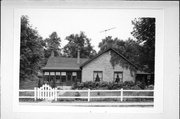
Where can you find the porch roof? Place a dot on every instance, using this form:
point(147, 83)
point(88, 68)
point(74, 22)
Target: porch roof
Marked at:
point(62, 63)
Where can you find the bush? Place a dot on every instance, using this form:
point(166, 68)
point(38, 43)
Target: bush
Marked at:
point(135, 87)
point(39, 83)
point(97, 85)
point(150, 87)
point(103, 85)
point(110, 85)
point(128, 84)
point(142, 85)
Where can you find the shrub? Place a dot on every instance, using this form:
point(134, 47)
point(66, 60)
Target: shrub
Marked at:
point(109, 85)
point(135, 87)
point(39, 83)
point(128, 84)
point(150, 87)
point(142, 85)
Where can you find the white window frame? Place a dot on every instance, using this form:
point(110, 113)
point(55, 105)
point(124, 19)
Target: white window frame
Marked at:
point(99, 72)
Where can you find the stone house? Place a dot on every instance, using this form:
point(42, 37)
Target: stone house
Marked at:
point(66, 71)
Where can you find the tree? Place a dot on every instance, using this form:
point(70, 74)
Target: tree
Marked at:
point(52, 44)
point(81, 42)
point(31, 50)
point(144, 32)
point(106, 43)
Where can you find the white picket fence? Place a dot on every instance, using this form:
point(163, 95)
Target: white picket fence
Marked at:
point(47, 93)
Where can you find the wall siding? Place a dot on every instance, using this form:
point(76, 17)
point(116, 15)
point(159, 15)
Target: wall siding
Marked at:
point(102, 63)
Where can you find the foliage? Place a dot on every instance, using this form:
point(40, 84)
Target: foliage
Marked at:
point(142, 84)
point(52, 44)
point(150, 87)
point(109, 85)
point(53, 84)
point(39, 83)
point(81, 42)
point(144, 32)
point(116, 59)
point(31, 50)
point(51, 47)
point(108, 42)
point(128, 84)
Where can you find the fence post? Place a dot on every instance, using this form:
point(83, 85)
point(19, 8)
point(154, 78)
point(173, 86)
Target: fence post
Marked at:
point(47, 97)
point(121, 94)
point(35, 93)
point(39, 93)
point(42, 92)
point(55, 94)
point(88, 95)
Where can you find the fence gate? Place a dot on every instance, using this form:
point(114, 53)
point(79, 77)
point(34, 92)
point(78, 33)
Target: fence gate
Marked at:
point(45, 92)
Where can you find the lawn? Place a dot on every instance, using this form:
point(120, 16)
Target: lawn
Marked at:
point(28, 84)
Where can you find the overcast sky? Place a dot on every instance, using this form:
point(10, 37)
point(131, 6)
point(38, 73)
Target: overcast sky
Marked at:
point(90, 21)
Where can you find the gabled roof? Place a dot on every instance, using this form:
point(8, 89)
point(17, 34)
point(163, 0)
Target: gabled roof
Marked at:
point(85, 63)
point(62, 63)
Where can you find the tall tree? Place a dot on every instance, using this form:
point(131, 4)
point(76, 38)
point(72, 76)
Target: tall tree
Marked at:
point(106, 43)
point(81, 42)
point(144, 32)
point(31, 50)
point(52, 44)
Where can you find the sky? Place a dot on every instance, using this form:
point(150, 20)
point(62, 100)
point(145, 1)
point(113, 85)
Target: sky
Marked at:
point(91, 21)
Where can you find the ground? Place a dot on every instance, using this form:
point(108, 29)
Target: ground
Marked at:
point(28, 84)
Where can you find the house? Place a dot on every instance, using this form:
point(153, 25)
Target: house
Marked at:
point(66, 71)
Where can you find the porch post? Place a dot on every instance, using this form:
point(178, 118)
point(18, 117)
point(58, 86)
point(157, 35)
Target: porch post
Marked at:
point(55, 79)
point(49, 79)
point(43, 78)
point(66, 77)
point(71, 77)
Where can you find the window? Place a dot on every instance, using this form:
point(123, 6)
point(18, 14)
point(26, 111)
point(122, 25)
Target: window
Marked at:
point(52, 73)
point(118, 77)
point(97, 76)
point(46, 77)
point(74, 76)
point(46, 73)
point(63, 76)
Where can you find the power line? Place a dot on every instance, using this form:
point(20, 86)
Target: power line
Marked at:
point(107, 30)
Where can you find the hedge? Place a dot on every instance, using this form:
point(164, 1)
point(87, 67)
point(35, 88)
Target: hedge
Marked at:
point(109, 85)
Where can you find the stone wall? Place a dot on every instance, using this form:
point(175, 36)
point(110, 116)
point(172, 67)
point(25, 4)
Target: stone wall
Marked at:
point(102, 63)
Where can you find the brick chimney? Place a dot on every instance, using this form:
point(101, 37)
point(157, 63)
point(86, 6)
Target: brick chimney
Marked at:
point(78, 56)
